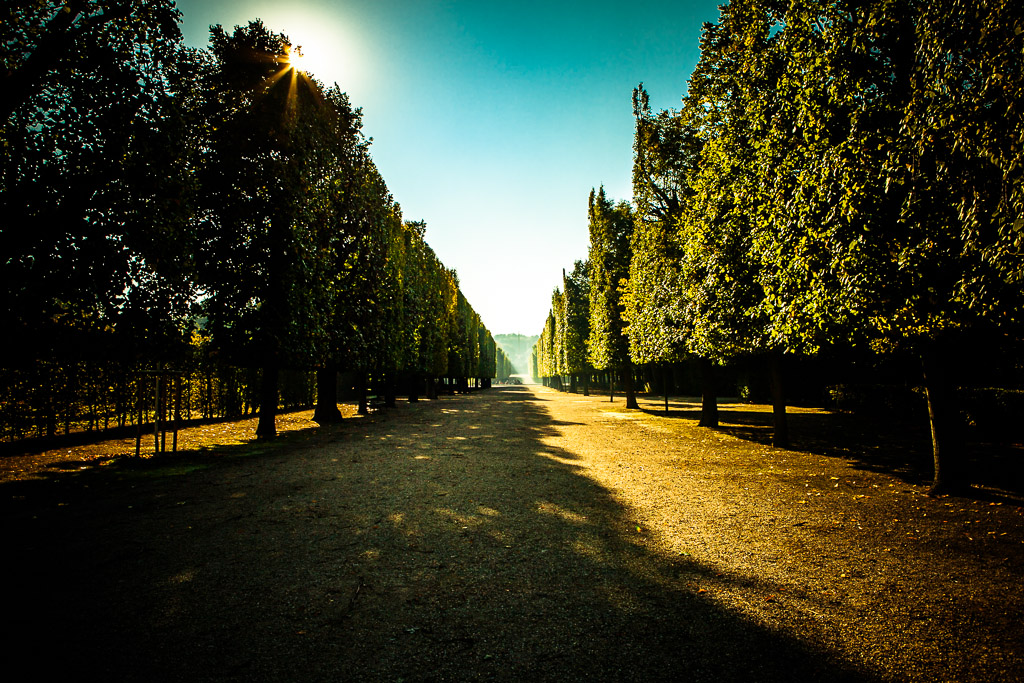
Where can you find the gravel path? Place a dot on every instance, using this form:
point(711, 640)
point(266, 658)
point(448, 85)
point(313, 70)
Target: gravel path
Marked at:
point(513, 534)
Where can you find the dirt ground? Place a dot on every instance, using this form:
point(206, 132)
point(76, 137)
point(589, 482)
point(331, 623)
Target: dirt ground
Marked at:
point(519, 534)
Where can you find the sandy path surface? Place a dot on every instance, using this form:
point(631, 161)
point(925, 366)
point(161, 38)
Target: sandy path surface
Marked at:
point(512, 534)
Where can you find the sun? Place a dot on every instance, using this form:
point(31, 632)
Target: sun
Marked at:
point(298, 59)
point(323, 47)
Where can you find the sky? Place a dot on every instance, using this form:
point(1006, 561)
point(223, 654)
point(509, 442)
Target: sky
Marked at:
point(492, 121)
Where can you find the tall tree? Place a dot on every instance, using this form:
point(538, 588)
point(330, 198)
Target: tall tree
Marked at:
point(558, 335)
point(576, 302)
point(666, 159)
point(259, 240)
point(663, 160)
point(957, 160)
point(342, 233)
point(721, 272)
point(611, 226)
point(885, 181)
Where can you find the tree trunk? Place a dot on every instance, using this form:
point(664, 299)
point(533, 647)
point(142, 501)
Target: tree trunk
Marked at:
point(586, 384)
point(628, 382)
point(138, 423)
point(51, 405)
point(780, 433)
point(361, 389)
point(176, 418)
point(949, 475)
point(326, 396)
point(611, 387)
point(389, 389)
point(208, 405)
point(266, 429)
point(156, 418)
point(414, 387)
point(665, 383)
point(709, 395)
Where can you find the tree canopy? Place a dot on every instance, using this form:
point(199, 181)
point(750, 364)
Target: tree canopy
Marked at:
point(207, 208)
point(839, 175)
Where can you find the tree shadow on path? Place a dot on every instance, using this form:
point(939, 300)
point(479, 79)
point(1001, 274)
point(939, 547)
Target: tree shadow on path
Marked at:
point(452, 541)
point(872, 443)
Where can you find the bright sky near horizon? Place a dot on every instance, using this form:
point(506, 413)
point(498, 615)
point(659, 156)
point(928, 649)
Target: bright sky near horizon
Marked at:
point(492, 121)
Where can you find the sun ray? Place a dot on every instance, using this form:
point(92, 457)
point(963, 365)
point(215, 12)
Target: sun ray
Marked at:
point(288, 65)
point(293, 93)
point(297, 58)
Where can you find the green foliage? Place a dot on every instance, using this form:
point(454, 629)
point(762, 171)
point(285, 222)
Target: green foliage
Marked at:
point(90, 181)
point(503, 367)
point(840, 78)
point(576, 317)
point(958, 156)
point(547, 363)
point(719, 270)
point(611, 226)
point(256, 229)
point(666, 154)
point(426, 290)
point(148, 190)
point(841, 174)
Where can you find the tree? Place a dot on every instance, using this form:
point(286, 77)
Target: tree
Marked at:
point(956, 162)
point(885, 184)
point(503, 364)
point(722, 273)
point(424, 309)
point(256, 223)
point(341, 234)
point(666, 159)
point(91, 179)
point(487, 364)
point(607, 345)
point(663, 160)
point(547, 362)
point(41, 39)
point(558, 335)
point(576, 303)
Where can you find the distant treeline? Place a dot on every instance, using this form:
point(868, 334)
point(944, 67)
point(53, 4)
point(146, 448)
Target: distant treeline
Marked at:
point(209, 218)
point(840, 196)
point(518, 348)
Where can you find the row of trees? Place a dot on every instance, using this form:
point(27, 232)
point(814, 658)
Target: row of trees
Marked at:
point(149, 191)
point(840, 176)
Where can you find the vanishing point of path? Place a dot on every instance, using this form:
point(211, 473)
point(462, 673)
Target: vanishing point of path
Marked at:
point(512, 534)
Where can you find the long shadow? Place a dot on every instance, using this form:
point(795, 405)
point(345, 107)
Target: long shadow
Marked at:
point(873, 443)
point(488, 554)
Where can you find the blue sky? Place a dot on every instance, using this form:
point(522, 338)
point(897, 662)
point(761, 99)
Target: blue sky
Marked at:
point(492, 121)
